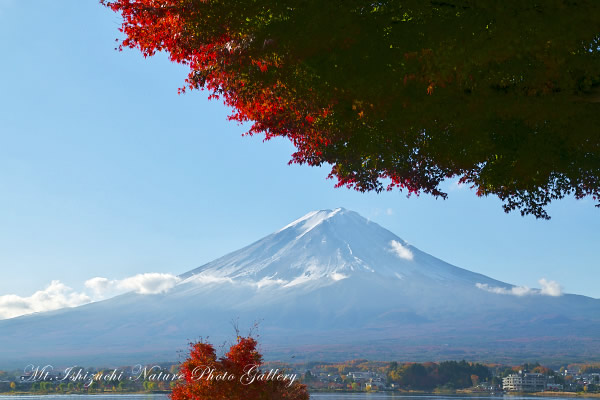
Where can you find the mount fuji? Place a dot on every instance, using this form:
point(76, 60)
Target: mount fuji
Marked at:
point(329, 286)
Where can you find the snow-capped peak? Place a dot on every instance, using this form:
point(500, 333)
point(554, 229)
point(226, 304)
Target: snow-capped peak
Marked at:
point(309, 221)
point(328, 247)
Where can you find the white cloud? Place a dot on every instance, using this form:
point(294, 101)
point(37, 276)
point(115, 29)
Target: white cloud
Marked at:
point(549, 288)
point(99, 285)
point(400, 250)
point(148, 283)
point(521, 291)
point(336, 276)
point(56, 295)
point(515, 290)
point(389, 211)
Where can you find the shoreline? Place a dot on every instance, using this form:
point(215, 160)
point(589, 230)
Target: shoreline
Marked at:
point(83, 393)
point(566, 394)
point(402, 393)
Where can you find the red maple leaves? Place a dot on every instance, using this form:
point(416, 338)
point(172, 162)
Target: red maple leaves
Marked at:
point(222, 60)
point(235, 376)
point(379, 92)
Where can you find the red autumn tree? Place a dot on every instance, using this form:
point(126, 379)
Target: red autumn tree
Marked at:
point(402, 94)
point(235, 376)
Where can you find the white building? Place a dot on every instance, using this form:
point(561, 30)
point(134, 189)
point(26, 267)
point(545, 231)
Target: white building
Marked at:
point(524, 383)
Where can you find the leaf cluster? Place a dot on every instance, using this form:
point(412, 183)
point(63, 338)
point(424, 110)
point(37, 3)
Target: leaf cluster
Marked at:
point(504, 96)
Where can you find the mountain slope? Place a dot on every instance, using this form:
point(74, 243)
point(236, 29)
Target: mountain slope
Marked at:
point(325, 246)
point(330, 285)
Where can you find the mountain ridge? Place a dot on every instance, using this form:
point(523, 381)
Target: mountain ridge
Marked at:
point(329, 285)
point(299, 228)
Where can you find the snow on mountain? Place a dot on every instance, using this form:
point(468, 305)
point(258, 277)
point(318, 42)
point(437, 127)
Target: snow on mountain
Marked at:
point(324, 247)
point(330, 285)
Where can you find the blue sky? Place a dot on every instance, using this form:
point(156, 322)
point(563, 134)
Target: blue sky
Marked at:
point(105, 171)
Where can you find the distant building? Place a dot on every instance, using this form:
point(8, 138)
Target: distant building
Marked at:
point(526, 382)
point(360, 376)
point(554, 386)
point(593, 378)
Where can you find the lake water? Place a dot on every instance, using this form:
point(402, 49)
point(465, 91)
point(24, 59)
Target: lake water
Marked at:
point(313, 396)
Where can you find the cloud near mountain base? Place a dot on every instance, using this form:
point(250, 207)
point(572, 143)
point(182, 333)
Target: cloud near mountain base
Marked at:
point(58, 295)
point(400, 250)
point(149, 283)
point(548, 288)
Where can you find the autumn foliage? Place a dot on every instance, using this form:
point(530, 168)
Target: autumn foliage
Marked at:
point(235, 376)
point(402, 94)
